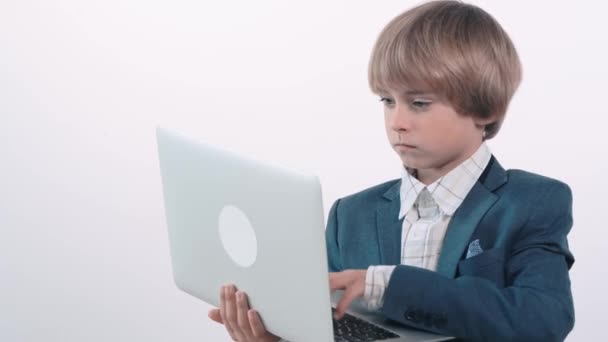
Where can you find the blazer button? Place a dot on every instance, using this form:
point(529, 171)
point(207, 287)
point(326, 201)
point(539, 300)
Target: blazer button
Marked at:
point(410, 315)
point(414, 315)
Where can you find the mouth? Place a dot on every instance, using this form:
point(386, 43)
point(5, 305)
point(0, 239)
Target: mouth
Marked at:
point(404, 145)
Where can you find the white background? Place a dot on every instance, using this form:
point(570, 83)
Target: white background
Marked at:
point(83, 244)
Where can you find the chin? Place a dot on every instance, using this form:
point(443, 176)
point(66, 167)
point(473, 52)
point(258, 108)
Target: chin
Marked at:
point(414, 163)
point(407, 162)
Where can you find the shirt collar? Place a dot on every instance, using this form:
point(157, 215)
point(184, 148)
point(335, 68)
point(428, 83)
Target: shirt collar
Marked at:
point(448, 191)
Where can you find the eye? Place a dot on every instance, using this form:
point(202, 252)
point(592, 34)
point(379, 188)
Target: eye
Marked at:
point(387, 101)
point(420, 104)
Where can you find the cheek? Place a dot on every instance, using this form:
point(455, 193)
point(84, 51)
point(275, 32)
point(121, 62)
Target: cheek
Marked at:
point(387, 126)
point(440, 131)
point(454, 130)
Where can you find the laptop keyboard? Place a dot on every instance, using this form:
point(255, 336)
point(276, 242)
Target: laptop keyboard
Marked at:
point(353, 329)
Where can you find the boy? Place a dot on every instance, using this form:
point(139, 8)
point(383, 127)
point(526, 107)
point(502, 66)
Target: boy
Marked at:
point(458, 245)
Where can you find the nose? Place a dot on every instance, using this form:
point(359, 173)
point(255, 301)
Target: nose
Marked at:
point(399, 118)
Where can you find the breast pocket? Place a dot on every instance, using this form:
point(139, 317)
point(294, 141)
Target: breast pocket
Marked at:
point(488, 265)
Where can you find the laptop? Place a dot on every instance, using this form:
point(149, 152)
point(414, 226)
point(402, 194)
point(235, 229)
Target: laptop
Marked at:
point(233, 219)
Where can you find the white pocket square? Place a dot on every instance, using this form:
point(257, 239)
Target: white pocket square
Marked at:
point(474, 249)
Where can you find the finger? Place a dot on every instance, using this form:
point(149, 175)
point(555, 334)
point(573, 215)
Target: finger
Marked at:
point(349, 295)
point(215, 316)
point(229, 312)
point(257, 327)
point(223, 311)
point(223, 306)
point(242, 306)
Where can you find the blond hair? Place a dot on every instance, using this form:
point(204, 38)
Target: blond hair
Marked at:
point(458, 50)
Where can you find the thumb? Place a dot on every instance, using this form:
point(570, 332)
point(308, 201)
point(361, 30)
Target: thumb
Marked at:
point(215, 315)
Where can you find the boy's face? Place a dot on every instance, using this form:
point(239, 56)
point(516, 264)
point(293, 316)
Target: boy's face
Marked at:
point(427, 133)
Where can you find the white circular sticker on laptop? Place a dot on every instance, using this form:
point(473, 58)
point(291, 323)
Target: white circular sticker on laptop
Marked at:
point(237, 236)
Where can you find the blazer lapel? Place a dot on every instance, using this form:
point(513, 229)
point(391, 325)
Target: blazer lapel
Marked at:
point(389, 227)
point(466, 219)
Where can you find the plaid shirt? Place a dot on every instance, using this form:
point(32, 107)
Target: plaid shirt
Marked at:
point(426, 212)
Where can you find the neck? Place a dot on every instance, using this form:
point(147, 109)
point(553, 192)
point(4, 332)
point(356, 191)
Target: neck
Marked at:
point(428, 178)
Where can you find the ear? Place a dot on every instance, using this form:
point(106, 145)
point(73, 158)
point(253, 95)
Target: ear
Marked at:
point(482, 122)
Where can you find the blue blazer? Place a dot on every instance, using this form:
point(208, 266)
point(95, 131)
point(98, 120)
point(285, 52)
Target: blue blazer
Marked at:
point(517, 289)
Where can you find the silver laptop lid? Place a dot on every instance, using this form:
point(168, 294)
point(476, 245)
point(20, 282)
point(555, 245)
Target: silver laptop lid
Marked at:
point(270, 220)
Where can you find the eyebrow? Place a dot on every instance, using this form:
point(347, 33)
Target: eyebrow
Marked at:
point(410, 92)
point(418, 92)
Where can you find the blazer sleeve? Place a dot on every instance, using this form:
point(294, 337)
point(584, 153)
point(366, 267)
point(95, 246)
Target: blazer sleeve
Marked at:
point(536, 304)
point(331, 239)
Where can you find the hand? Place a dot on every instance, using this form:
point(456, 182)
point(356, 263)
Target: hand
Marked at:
point(353, 284)
point(242, 323)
